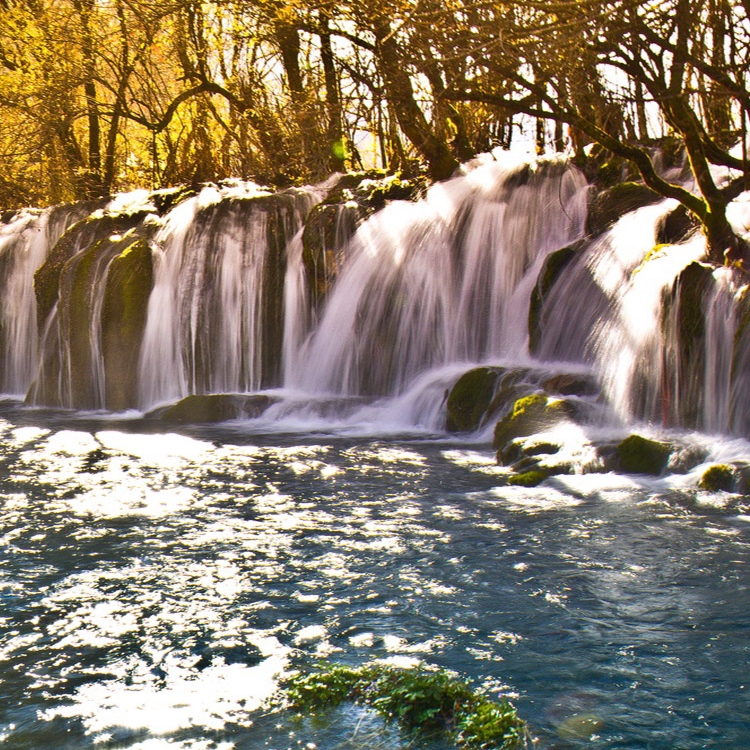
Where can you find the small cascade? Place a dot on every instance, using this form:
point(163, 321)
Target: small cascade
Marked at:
point(443, 280)
point(25, 241)
point(216, 313)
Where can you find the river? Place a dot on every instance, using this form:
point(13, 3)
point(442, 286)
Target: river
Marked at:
point(156, 584)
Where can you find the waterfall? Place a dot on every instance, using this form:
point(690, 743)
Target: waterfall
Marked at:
point(443, 280)
point(215, 319)
point(338, 308)
point(25, 241)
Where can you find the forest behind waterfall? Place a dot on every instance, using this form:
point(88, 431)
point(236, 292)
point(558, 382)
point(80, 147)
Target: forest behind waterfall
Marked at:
point(98, 96)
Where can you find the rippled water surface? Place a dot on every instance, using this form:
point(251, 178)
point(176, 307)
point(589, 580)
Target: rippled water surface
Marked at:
point(155, 585)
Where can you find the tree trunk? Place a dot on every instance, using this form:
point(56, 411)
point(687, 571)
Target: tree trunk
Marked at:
point(411, 119)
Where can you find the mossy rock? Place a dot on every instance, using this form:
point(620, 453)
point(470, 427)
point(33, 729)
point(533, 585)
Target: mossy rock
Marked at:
point(612, 204)
point(529, 415)
point(215, 407)
point(165, 200)
point(530, 478)
point(554, 264)
point(123, 320)
point(470, 398)
point(570, 384)
point(639, 455)
point(684, 322)
point(78, 238)
point(718, 477)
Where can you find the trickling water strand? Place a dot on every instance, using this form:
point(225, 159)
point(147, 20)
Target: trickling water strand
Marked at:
point(721, 326)
point(628, 342)
point(434, 282)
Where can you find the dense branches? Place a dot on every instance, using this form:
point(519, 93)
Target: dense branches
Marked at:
point(98, 95)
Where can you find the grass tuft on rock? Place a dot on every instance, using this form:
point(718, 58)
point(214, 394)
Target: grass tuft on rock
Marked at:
point(419, 699)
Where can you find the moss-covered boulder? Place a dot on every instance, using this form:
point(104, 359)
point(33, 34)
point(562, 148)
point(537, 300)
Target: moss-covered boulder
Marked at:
point(718, 477)
point(639, 455)
point(78, 238)
point(470, 398)
point(554, 265)
point(529, 415)
point(530, 478)
point(215, 407)
point(570, 384)
point(612, 204)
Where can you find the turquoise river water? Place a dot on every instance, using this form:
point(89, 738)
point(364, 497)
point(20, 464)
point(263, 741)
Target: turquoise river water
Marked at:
point(155, 585)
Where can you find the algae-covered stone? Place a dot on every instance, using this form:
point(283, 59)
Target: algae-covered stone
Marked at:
point(530, 414)
point(684, 324)
point(580, 727)
point(123, 320)
point(639, 455)
point(215, 407)
point(470, 398)
point(718, 477)
point(529, 478)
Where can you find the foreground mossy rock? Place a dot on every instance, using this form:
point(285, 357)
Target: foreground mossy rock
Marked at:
point(554, 264)
point(215, 407)
point(470, 398)
point(529, 415)
point(419, 699)
point(612, 204)
point(639, 455)
point(718, 477)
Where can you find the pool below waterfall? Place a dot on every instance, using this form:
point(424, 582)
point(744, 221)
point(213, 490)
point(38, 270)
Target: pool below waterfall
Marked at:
point(155, 586)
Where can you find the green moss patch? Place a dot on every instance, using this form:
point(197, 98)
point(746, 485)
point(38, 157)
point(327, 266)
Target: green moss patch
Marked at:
point(639, 455)
point(419, 699)
point(470, 398)
point(718, 477)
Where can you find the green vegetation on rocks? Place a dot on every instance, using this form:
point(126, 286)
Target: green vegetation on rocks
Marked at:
point(123, 320)
point(528, 478)
point(419, 699)
point(530, 414)
point(639, 455)
point(718, 477)
point(610, 205)
point(470, 398)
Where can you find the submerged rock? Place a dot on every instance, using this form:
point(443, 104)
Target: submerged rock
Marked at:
point(215, 407)
point(639, 455)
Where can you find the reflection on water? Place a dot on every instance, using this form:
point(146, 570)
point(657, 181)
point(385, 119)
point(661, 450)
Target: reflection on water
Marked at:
point(155, 586)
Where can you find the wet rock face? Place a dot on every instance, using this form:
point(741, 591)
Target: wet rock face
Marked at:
point(215, 407)
point(469, 401)
point(123, 320)
point(610, 205)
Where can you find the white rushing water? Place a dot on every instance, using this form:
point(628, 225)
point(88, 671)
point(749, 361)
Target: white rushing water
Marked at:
point(422, 290)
